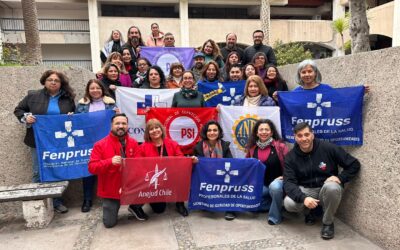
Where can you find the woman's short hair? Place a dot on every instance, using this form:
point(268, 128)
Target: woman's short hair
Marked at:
point(204, 72)
point(104, 91)
point(116, 55)
point(152, 123)
point(260, 83)
point(160, 72)
point(144, 59)
point(107, 67)
point(175, 65)
point(256, 55)
point(63, 80)
point(302, 65)
point(204, 129)
point(253, 136)
point(245, 67)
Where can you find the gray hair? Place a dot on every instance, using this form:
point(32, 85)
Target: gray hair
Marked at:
point(304, 64)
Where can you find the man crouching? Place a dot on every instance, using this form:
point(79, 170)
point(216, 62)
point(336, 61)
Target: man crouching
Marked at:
point(311, 177)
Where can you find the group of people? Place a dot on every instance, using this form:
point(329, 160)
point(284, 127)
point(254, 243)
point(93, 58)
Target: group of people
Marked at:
point(306, 178)
point(124, 66)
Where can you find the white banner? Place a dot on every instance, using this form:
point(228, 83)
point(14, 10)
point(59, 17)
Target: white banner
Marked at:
point(133, 102)
point(238, 121)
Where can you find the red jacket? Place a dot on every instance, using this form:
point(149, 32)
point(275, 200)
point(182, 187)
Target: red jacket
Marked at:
point(100, 164)
point(281, 151)
point(148, 149)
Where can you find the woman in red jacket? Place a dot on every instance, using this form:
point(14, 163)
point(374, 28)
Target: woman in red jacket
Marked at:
point(157, 145)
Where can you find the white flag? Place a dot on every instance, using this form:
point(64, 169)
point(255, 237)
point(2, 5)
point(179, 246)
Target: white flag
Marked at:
point(133, 102)
point(238, 121)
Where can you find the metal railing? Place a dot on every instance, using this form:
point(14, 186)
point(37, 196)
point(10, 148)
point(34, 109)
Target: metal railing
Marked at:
point(51, 25)
point(86, 64)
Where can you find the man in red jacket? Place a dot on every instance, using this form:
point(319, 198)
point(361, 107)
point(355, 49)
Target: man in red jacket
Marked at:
point(105, 162)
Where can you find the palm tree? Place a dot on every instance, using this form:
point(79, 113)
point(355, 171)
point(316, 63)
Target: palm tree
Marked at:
point(339, 26)
point(265, 17)
point(359, 27)
point(33, 48)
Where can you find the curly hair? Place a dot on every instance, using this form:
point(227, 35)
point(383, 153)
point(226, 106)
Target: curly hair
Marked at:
point(63, 80)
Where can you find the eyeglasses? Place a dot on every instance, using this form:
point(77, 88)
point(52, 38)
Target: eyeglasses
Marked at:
point(53, 80)
point(169, 38)
point(142, 64)
point(188, 78)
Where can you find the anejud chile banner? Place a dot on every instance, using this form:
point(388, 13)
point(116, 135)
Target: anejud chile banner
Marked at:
point(183, 125)
point(222, 184)
point(155, 179)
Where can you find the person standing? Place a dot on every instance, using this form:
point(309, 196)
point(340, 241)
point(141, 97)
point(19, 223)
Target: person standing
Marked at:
point(231, 46)
point(56, 97)
point(311, 177)
point(105, 162)
point(156, 38)
point(134, 42)
point(258, 46)
point(169, 40)
point(197, 69)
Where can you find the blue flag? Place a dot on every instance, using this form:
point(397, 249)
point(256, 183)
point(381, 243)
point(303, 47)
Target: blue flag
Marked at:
point(64, 143)
point(334, 114)
point(224, 93)
point(222, 184)
point(165, 56)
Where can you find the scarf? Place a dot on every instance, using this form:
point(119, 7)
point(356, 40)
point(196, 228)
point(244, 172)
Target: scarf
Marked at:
point(189, 93)
point(215, 153)
point(265, 144)
point(252, 101)
point(140, 77)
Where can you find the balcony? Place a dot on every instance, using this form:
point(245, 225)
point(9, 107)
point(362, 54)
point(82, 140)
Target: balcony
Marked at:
point(47, 25)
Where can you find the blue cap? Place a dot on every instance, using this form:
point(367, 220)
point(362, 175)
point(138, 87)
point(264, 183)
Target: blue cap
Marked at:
point(199, 54)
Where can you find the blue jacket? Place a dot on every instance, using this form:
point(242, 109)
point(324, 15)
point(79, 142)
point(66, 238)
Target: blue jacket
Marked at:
point(264, 101)
point(83, 105)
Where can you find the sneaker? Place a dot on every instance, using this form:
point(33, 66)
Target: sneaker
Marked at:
point(230, 215)
point(61, 209)
point(138, 212)
point(327, 231)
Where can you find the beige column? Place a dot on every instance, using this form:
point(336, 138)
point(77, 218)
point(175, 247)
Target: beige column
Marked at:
point(338, 11)
point(396, 24)
point(94, 35)
point(184, 20)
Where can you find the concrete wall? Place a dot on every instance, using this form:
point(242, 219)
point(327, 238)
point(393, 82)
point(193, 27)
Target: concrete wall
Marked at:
point(371, 202)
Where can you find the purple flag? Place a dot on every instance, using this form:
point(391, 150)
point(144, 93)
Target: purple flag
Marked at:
point(165, 56)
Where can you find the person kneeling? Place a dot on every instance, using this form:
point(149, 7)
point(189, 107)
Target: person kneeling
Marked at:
point(311, 177)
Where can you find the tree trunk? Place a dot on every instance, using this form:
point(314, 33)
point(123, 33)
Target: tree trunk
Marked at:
point(359, 27)
point(265, 16)
point(33, 55)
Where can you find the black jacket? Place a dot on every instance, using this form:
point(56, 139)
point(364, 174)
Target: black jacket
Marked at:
point(250, 51)
point(37, 102)
point(310, 170)
point(226, 152)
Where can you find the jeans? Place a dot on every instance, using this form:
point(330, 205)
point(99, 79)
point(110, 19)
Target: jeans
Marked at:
point(272, 199)
point(88, 186)
point(330, 195)
point(110, 212)
point(36, 176)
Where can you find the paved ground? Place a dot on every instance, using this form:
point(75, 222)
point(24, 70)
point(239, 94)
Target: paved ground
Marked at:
point(201, 230)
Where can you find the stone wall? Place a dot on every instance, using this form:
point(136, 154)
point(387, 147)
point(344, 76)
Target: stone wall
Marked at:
point(371, 202)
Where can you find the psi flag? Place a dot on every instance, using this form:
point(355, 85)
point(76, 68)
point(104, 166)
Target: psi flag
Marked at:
point(334, 114)
point(237, 123)
point(64, 143)
point(155, 179)
point(224, 93)
point(222, 184)
point(183, 125)
point(165, 56)
point(135, 103)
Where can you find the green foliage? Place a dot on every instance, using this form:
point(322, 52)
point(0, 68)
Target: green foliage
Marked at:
point(290, 53)
point(11, 55)
point(341, 24)
point(347, 47)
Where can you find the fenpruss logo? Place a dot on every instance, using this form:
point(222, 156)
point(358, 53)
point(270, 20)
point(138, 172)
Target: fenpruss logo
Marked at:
point(69, 134)
point(318, 105)
point(227, 172)
point(241, 130)
point(155, 175)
